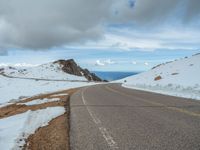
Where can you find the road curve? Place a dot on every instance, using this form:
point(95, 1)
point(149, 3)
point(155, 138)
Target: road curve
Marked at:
point(110, 117)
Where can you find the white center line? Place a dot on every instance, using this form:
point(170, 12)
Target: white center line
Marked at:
point(108, 138)
point(94, 118)
point(106, 135)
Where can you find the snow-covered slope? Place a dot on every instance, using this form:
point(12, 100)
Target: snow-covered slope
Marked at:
point(18, 82)
point(14, 130)
point(13, 88)
point(52, 71)
point(177, 78)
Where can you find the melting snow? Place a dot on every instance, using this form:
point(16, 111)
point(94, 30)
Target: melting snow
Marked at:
point(15, 129)
point(60, 94)
point(40, 101)
point(12, 88)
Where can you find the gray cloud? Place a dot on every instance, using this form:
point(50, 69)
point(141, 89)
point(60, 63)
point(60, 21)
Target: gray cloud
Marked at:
point(163, 11)
point(193, 10)
point(48, 23)
point(43, 24)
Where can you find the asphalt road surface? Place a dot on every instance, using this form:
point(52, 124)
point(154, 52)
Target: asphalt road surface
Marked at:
point(110, 117)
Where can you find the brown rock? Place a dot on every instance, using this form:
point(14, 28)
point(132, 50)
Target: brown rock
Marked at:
point(71, 67)
point(157, 78)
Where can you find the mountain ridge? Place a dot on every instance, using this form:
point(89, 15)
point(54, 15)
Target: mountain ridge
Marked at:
point(57, 70)
point(71, 67)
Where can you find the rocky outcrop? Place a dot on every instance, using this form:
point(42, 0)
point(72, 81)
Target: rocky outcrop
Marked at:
point(157, 78)
point(71, 67)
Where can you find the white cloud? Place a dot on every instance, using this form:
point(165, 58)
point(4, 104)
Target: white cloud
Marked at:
point(99, 63)
point(146, 63)
point(125, 39)
point(134, 62)
point(129, 39)
point(104, 62)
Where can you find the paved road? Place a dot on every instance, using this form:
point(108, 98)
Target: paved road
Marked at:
point(112, 117)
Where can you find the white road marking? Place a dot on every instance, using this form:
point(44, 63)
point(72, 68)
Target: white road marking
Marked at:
point(106, 135)
point(108, 138)
point(94, 118)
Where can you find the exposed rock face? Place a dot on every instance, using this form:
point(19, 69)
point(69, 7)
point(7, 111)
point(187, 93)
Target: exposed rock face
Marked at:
point(157, 78)
point(71, 67)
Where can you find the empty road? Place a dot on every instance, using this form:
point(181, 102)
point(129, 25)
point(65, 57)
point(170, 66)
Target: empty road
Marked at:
point(110, 117)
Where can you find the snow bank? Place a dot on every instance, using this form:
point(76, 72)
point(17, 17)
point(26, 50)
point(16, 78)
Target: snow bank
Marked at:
point(4, 105)
point(178, 78)
point(15, 129)
point(40, 101)
point(12, 88)
point(61, 94)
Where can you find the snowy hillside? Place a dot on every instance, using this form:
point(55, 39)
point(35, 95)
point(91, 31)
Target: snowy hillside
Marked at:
point(14, 130)
point(177, 78)
point(50, 71)
point(32, 98)
point(13, 89)
point(18, 82)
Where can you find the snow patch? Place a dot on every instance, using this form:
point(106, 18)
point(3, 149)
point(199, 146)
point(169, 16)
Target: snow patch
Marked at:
point(15, 129)
point(39, 101)
point(6, 104)
point(60, 94)
point(12, 89)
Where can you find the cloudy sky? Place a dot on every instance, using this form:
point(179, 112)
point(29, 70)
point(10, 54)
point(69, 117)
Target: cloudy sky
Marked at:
point(122, 35)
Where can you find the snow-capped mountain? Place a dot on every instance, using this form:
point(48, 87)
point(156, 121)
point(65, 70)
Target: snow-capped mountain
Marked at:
point(45, 71)
point(60, 75)
point(59, 70)
point(179, 78)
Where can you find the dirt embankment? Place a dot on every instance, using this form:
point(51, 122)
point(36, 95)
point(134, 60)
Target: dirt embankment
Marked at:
point(55, 136)
point(52, 137)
